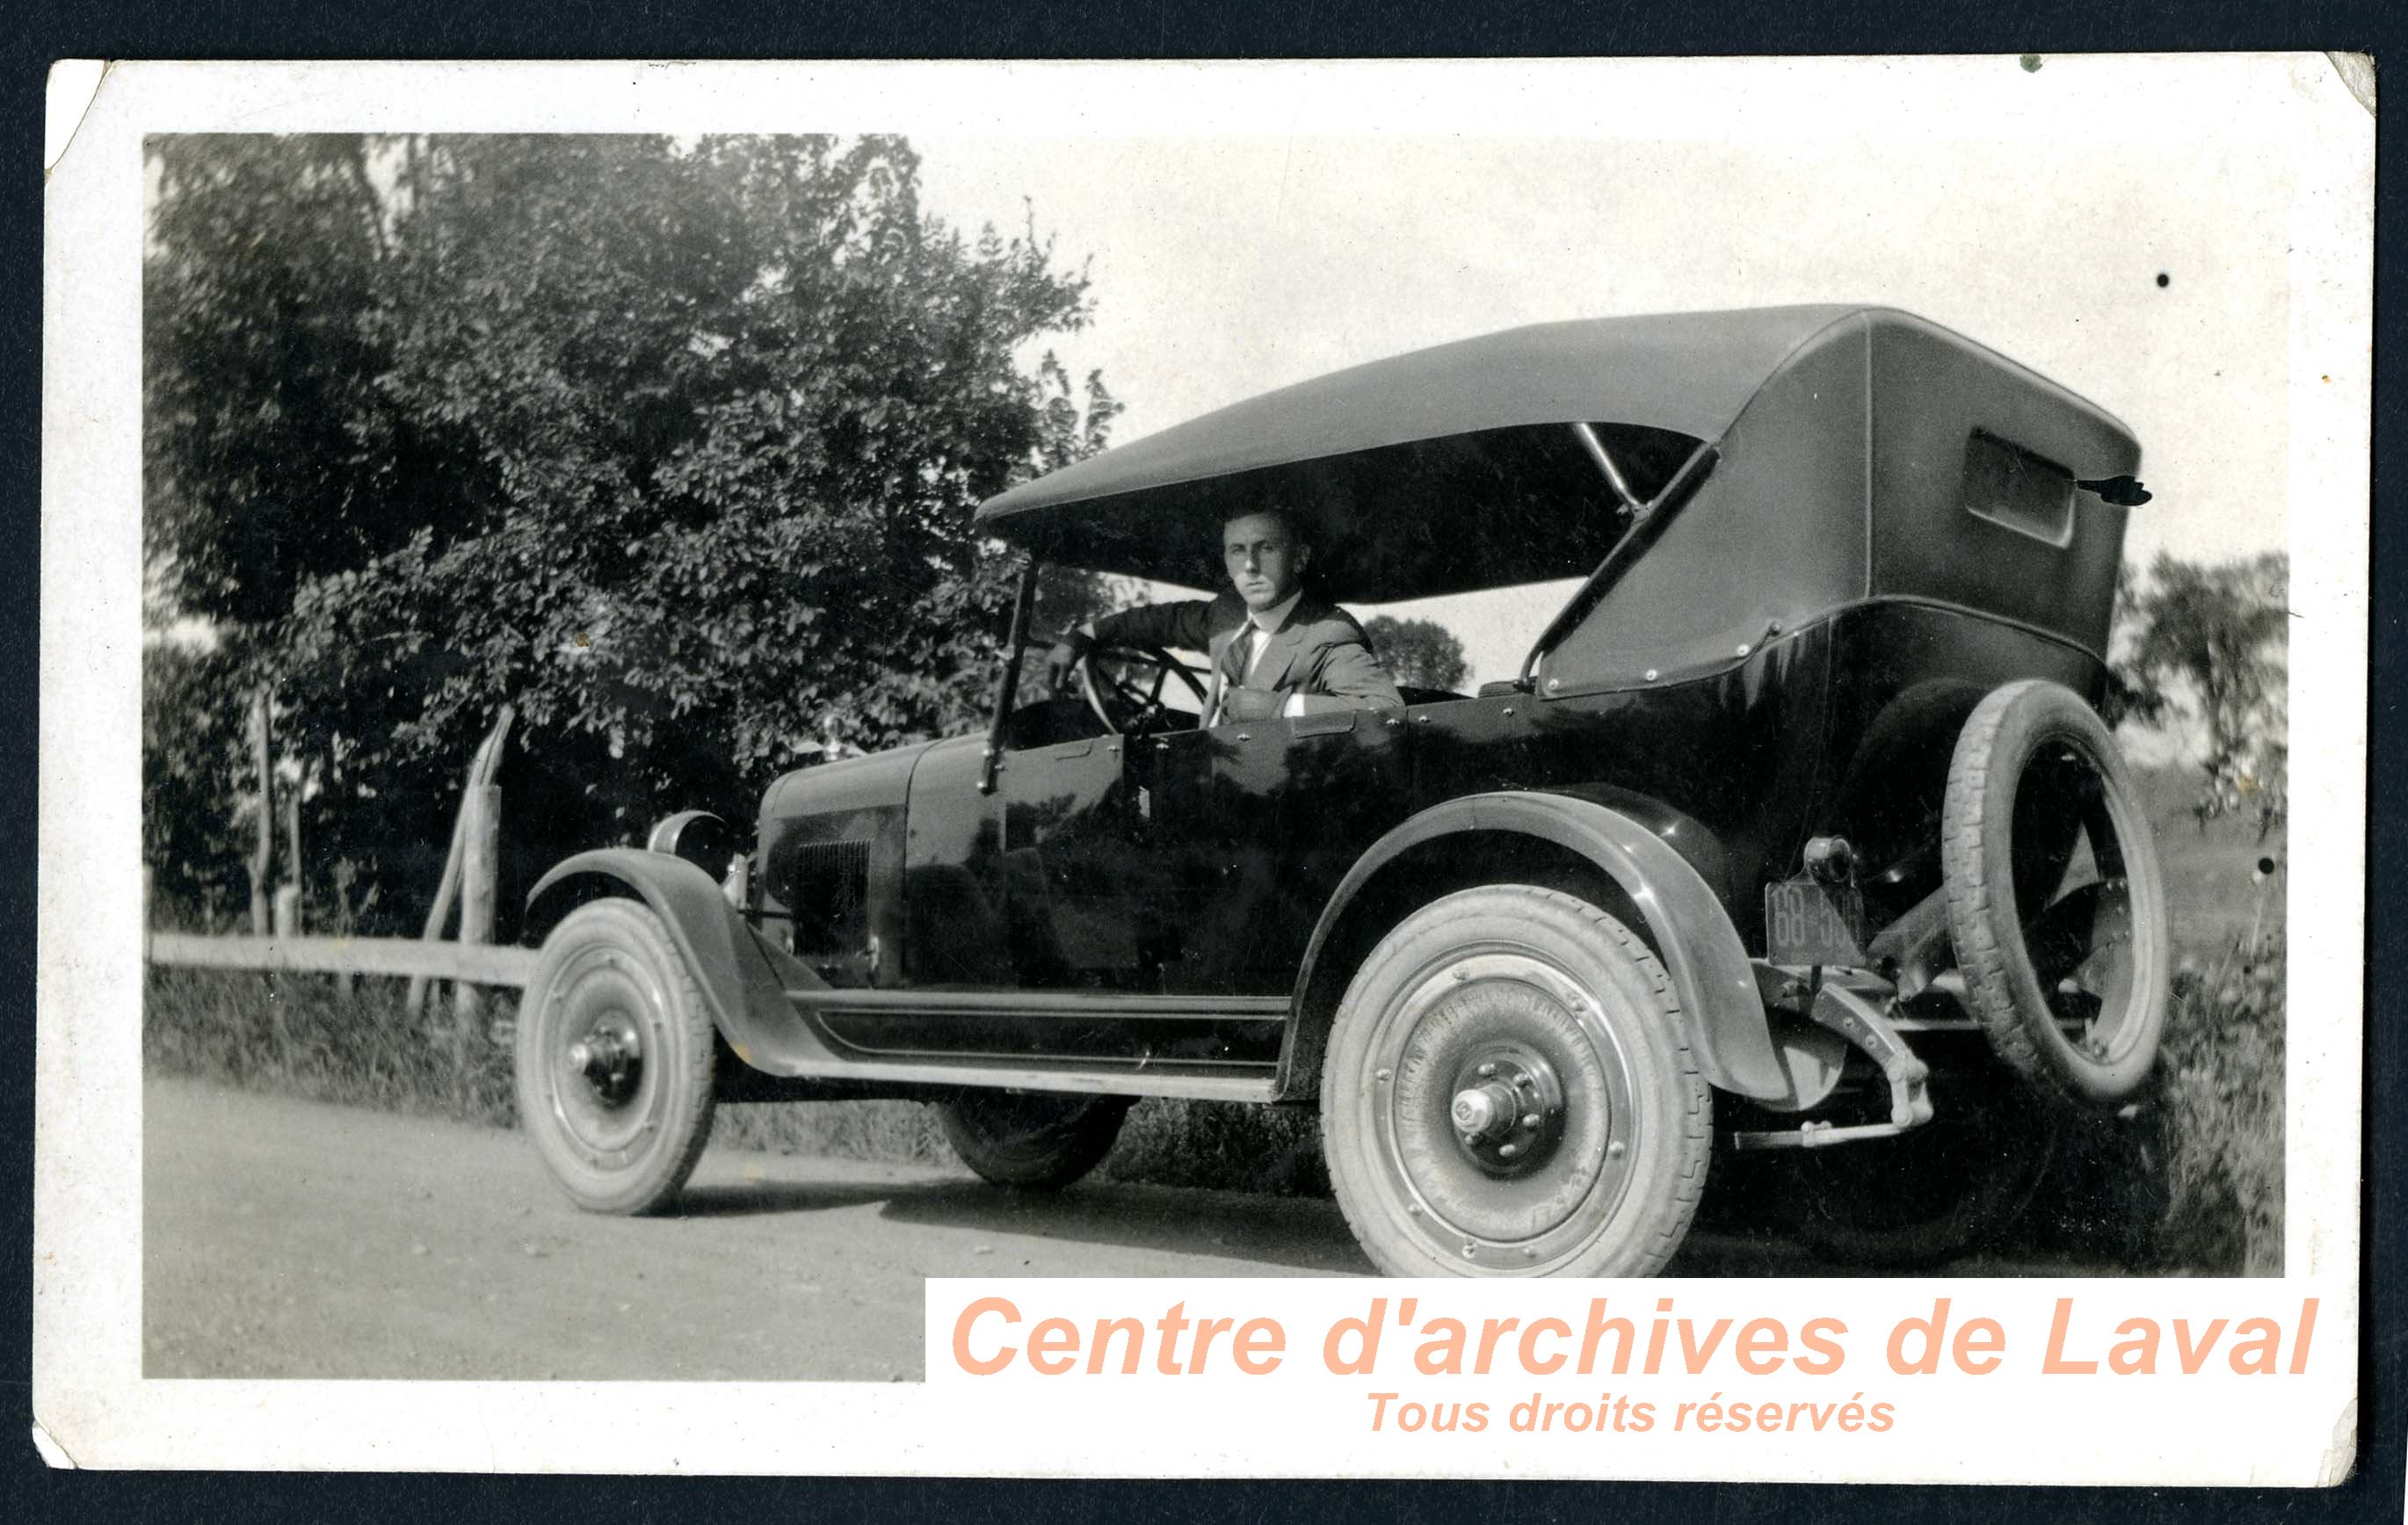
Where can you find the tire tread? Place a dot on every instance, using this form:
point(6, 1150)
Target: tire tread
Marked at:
point(1964, 867)
point(1969, 875)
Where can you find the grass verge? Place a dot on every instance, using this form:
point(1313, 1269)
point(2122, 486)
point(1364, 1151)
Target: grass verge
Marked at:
point(302, 1035)
point(2219, 1118)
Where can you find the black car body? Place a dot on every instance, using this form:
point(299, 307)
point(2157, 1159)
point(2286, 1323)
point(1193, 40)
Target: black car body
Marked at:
point(1818, 549)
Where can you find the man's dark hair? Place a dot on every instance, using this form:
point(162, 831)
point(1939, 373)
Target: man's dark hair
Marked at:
point(1300, 529)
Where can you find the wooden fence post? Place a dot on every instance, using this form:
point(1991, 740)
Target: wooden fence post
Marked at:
point(292, 858)
point(481, 771)
point(447, 890)
point(262, 857)
point(480, 874)
point(287, 910)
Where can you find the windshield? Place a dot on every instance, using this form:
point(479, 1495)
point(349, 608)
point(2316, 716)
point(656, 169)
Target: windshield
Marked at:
point(1452, 643)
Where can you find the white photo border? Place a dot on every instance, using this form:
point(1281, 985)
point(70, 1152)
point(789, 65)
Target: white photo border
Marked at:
point(91, 1399)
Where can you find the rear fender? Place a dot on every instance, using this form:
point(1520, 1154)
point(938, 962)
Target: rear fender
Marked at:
point(1683, 920)
point(742, 979)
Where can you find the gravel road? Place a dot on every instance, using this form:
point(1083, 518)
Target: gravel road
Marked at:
point(284, 1238)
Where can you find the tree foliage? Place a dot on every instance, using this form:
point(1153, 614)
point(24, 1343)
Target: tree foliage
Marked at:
point(260, 401)
point(673, 444)
point(1421, 653)
point(197, 820)
point(2209, 645)
point(2131, 695)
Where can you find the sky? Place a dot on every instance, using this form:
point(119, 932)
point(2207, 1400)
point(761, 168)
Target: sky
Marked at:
point(1222, 267)
point(2149, 276)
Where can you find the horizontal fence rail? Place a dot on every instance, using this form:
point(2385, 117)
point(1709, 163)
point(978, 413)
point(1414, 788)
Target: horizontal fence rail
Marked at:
point(468, 963)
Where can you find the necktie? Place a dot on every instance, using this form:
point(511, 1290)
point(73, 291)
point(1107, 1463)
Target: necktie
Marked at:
point(1234, 663)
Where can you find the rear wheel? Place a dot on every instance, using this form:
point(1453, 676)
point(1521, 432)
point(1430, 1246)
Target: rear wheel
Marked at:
point(2055, 898)
point(1033, 1141)
point(1509, 1090)
point(1941, 1191)
point(614, 1060)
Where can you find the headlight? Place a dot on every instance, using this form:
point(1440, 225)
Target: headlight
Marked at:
point(696, 836)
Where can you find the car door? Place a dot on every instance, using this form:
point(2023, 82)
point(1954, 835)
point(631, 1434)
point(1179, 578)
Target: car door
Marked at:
point(1070, 876)
point(1251, 826)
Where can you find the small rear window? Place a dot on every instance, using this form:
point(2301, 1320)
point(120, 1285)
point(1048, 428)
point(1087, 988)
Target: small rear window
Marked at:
point(2008, 485)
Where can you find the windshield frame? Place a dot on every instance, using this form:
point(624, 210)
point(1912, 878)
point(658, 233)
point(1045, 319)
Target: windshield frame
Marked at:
point(1016, 650)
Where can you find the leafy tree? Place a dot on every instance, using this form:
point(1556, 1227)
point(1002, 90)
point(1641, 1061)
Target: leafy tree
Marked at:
point(269, 454)
point(2213, 646)
point(2131, 693)
point(198, 814)
point(674, 445)
point(1422, 654)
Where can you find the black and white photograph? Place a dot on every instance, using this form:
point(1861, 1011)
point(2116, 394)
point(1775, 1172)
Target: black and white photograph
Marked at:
point(755, 692)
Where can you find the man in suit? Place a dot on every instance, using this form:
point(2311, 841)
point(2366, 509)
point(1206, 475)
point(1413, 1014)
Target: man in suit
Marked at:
point(1276, 648)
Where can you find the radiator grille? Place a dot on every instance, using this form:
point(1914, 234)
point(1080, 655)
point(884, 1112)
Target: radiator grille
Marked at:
point(831, 896)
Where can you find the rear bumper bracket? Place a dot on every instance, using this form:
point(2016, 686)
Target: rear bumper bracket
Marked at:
point(1849, 1013)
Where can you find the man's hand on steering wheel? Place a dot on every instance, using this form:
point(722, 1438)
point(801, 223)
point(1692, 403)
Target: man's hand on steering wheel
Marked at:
point(1062, 662)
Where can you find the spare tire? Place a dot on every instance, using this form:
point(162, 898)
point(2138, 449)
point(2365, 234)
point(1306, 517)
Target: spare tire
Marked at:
point(2054, 898)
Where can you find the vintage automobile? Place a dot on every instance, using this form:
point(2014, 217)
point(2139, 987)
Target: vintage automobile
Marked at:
point(1796, 828)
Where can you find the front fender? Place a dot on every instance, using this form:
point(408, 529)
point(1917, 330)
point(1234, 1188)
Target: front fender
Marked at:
point(743, 980)
point(1686, 921)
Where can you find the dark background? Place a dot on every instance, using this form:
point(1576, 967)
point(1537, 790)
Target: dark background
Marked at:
point(304, 29)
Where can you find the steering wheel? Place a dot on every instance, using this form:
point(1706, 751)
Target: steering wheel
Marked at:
point(1125, 704)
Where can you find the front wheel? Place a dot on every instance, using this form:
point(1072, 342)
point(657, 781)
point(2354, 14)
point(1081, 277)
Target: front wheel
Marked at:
point(615, 1060)
point(1509, 1090)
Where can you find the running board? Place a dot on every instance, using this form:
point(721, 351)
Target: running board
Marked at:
point(1191, 1079)
point(1067, 1005)
point(1259, 1083)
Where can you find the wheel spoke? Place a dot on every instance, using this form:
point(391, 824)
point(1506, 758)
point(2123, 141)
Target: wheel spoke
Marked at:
point(2062, 939)
point(2080, 946)
point(1111, 678)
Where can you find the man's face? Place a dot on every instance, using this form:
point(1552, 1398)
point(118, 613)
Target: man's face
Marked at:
point(1265, 564)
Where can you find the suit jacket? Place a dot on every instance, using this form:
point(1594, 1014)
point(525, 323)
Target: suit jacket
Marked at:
point(1320, 653)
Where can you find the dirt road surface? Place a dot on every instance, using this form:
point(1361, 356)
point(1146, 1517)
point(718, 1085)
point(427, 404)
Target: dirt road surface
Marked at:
point(284, 1238)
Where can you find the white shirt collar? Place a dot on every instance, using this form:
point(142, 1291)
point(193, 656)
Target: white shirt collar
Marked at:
point(1269, 621)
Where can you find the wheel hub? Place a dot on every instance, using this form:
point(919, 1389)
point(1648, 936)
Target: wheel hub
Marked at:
point(610, 1058)
point(1507, 1110)
point(1491, 1157)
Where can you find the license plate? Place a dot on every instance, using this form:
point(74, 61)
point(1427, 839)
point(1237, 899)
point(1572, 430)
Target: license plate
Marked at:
point(1809, 922)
